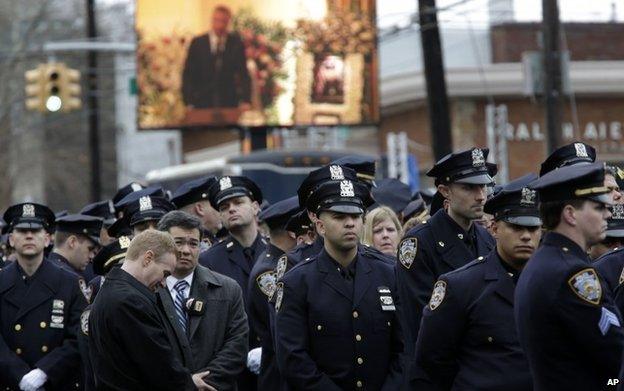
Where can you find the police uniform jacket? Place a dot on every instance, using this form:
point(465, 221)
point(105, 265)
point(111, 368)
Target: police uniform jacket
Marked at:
point(304, 251)
point(611, 268)
point(329, 337)
point(261, 288)
point(39, 320)
point(130, 340)
point(425, 253)
point(64, 264)
point(567, 322)
point(468, 338)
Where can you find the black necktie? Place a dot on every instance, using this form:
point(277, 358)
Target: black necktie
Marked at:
point(249, 255)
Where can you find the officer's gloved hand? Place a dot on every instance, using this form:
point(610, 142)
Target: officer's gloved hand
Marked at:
point(33, 380)
point(253, 360)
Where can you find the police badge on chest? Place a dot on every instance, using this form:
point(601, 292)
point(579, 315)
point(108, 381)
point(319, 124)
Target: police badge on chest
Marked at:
point(385, 297)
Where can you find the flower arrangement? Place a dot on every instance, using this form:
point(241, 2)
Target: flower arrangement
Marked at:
point(341, 33)
point(159, 63)
point(264, 42)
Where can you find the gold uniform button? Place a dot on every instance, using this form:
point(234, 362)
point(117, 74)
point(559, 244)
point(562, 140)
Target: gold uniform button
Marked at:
point(18, 327)
point(44, 348)
point(565, 249)
point(360, 360)
point(355, 314)
point(389, 323)
point(358, 337)
point(358, 384)
point(18, 351)
point(43, 325)
point(490, 339)
point(319, 327)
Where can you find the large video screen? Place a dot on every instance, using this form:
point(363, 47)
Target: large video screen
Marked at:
point(205, 63)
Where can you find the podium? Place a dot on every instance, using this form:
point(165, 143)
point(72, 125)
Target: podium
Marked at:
point(212, 116)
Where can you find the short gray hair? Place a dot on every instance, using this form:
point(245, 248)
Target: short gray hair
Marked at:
point(180, 219)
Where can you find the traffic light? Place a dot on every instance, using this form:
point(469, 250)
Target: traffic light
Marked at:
point(53, 87)
point(35, 84)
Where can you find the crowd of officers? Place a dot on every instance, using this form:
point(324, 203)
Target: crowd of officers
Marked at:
point(513, 287)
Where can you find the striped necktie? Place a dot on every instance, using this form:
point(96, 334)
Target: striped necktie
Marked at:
point(180, 300)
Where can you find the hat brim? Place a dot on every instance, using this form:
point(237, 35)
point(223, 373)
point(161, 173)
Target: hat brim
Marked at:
point(480, 179)
point(601, 198)
point(524, 221)
point(233, 194)
point(28, 225)
point(138, 218)
point(344, 208)
point(615, 233)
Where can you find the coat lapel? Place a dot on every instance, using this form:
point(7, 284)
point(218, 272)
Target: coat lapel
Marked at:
point(496, 274)
point(168, 306)
point(332, 276)
point(200, 288)
point(41, 289)
point(362, 280)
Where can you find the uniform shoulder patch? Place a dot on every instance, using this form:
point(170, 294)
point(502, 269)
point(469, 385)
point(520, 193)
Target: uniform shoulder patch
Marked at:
point(586, 285)
point(437, 296)
point(621, 277)
point(266, 283)
point(279, 295)
point(86, 290)
point(407, 251)
point(280, 268)
point(84, 322)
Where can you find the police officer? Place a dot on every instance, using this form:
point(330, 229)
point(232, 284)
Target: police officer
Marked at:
point(271, 265)
point(106, 211)
point(467, 337)
point(237, 198)
point(614, 235)
point(109, 256)
point(567, 322)
point(336, 314)
point(315, 178)
point(569, 155)
point(76, 240)
point(448, 240)
point(611, 264)
point(301, 226)
point(192, 197)
point(141, 211)
point(40, 306)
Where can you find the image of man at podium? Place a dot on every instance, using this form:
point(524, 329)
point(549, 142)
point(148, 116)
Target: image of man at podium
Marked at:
point(215, 74)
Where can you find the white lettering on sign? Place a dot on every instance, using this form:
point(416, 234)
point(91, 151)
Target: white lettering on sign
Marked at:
point(591, 131)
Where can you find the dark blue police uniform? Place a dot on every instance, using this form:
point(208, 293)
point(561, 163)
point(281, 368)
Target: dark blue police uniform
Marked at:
point(610, 266)
point(63, 263)
point(567, 321)
point(39, 319)
point(336, 327)
point(467, 339)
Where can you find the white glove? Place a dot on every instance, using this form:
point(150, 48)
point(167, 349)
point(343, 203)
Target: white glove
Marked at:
point(33, 380)
point(253, 360)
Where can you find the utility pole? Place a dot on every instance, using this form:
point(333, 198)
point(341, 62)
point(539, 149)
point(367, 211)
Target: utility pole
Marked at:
point(553, 90)
point(437, 99)
point(92, 106)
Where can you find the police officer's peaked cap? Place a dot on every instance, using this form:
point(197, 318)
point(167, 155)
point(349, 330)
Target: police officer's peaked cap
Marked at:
point(392, 193)
point(340, 196)
point(127, 189)
point(332, 172)
point(364, 166)
point(573, 182)
point(416, 207)
point(146, 208)
point(88, 226)
point(299, 223)
point(102, 209)
point(615, 225)
point(29, 215)
point(193, 191)
point(277, 215)
point(463, 167)
point(227, 187)
point(568, 155)
point(152, 191)
point(113, 254)
point(516, 203)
